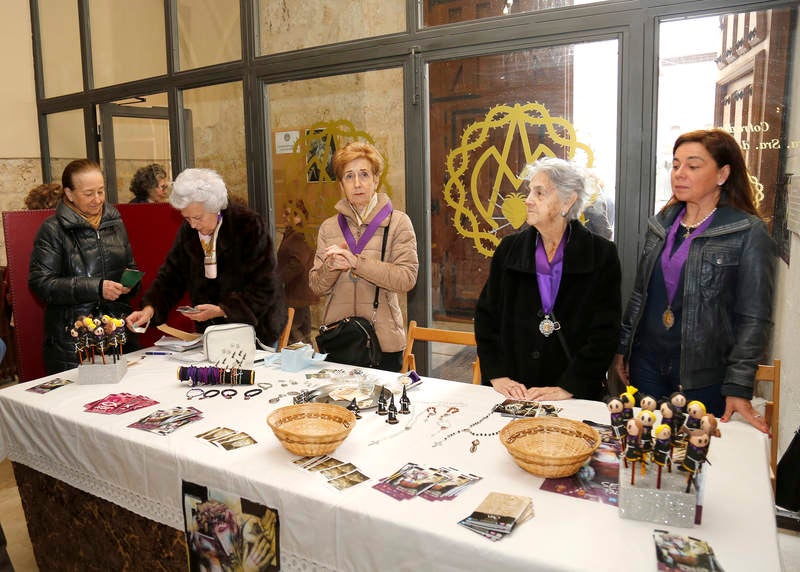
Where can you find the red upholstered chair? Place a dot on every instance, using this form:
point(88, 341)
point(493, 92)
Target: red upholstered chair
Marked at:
point(151, 230)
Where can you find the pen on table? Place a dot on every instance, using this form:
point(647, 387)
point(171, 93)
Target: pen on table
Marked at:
point(158, 353)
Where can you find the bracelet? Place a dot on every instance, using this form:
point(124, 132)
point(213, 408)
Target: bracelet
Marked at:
point(210, 393)
point(253, 392)
point(194, 392)
point(228, 393)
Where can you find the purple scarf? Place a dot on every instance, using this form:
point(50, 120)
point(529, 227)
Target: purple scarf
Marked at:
point(372, 227)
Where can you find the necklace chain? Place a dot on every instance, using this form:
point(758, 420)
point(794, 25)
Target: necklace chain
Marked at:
point(468, 429)
point(695, 225)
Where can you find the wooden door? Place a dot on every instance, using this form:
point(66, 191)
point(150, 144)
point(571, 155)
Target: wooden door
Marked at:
point(750, 92)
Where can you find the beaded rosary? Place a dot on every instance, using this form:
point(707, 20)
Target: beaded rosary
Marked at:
point(469, 429)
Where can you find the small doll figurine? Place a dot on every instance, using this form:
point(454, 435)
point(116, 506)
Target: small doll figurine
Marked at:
point(670, 416)
point(696, 452)
point(695, 410)
point(662, 450)
point(628, 401)
point(648, 419)
point(678, 399)
point(405, 402)
point(648, 402)
point(708, 424)
point(617, 422)
point(633, 446)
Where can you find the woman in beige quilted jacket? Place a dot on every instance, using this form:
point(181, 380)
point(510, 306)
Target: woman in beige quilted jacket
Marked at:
point(348, 265)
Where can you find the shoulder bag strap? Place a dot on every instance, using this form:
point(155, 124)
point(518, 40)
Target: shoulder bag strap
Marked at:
point(383, 253)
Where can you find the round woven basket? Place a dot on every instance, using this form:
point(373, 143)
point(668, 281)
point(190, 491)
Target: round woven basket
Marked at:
point(550, 447)
point(311, 429)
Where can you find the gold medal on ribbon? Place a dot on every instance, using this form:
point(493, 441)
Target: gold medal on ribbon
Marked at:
point(668, 318)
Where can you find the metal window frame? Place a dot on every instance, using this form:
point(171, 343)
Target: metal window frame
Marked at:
point(634, 22)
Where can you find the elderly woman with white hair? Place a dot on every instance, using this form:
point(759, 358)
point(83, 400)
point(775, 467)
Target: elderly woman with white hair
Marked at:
point(223, 256)
point(548, 317)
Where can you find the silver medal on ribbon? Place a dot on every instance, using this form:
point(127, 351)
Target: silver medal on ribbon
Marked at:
point(547, 326)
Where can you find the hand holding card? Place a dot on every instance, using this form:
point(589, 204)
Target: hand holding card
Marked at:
point(131, 277)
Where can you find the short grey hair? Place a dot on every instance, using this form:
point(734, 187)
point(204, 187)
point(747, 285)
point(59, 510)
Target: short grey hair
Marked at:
point(567, 177)
point(199, 186)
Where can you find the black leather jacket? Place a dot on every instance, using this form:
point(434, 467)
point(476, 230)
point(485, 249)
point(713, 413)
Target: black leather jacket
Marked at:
point(68, 264)
point(727, 299)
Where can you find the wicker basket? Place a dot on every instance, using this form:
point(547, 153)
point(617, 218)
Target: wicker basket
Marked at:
point(550, 447)
point(311, 429)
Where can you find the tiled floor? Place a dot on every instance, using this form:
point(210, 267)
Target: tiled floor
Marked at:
point(13, 521)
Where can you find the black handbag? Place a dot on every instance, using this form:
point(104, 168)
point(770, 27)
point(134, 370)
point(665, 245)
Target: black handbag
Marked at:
point(352, 340)
point(787, 490)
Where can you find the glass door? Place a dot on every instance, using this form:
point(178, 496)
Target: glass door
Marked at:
point(133, 135)
point(489, 116)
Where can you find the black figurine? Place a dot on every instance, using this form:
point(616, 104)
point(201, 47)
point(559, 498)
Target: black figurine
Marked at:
point(382, 402)
point(392, 419)
point(405, 402)
point(354, 408)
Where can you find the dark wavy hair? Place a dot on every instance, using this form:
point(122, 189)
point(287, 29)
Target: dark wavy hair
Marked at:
point(44, 196)
point(145, 179)
point(75, 167)
point(736, 191)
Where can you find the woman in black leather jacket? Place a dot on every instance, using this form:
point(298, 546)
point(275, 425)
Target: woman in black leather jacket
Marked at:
point(700, 314)
point(77, 262)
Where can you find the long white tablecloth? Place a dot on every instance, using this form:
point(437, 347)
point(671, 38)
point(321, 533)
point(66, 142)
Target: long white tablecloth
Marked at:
point(361, 528)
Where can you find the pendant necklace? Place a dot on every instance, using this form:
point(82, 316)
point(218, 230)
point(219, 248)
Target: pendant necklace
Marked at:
point(689, 228)
point(672, 263)
point(548, 277)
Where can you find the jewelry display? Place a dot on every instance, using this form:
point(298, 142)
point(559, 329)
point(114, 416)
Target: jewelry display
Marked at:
point(210, 393)
point(194, 392)
point(229, 393)
point(216, 376)
point(253, 392)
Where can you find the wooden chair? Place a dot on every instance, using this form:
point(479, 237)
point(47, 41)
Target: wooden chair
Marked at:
point(283, 341)
point(772, 374)
point(416, 333)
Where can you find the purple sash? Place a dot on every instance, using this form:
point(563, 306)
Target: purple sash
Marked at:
point(372, 227)
point(548, 274)
point(672, 264)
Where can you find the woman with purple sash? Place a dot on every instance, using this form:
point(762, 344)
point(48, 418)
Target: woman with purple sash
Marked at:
point(548, 317)
point(700, 314)
point(349, 264)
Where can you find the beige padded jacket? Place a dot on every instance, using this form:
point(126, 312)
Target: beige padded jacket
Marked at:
point(354, 296)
